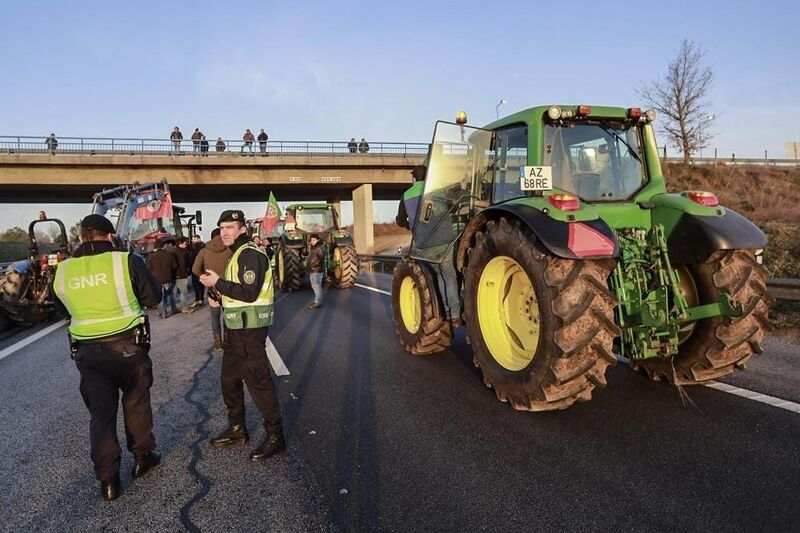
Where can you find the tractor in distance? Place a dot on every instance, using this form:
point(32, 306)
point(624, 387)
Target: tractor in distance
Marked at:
point(550, 234)
point(302, 220)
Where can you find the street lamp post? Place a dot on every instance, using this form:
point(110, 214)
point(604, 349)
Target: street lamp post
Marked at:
point(497, 108)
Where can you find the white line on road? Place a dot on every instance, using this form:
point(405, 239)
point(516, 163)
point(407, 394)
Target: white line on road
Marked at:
point(278, 366)
point(5, 352)
point(387, 293)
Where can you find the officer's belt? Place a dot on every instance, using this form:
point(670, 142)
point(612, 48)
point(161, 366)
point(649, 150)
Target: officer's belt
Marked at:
point(127, 335)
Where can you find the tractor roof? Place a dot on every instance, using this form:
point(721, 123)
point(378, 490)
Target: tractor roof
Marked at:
point(536, 114)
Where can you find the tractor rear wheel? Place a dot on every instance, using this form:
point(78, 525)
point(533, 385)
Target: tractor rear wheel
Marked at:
point(715, 347)
point(417, 312)
point(345, 266)
point(288, 269)
point(541, 327)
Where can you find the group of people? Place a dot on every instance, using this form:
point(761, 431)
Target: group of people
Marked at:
point(106, 293)
point(362, 147)
point(200, 143)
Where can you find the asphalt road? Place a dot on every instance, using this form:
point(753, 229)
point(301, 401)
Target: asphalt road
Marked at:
point(382, 440)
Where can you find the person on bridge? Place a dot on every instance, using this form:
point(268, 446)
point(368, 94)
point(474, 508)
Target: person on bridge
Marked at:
point(352, 146)
point(247, 301)
point(105, 292)
point(262, 142)
point(176, 137)
point(363, 146)
point(248, 139)
point(220, 145)
point(197, 136)
point(407, 210)
point(51, 143)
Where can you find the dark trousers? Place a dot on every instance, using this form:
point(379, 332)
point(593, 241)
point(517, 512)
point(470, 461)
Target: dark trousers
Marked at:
point(106, 369)
point(198, 289)
point(245, 361)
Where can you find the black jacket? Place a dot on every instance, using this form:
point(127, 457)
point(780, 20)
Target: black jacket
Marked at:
point(316, 258)
point(163, 264)
point(184, 267)
point(249, 285)
point(146, 288)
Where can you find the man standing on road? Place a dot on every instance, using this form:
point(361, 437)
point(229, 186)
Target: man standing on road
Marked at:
point(105, 292)
point(194, 251)
point(182, 275)
point(316, 267)
point(164, 265)
point(247, 303)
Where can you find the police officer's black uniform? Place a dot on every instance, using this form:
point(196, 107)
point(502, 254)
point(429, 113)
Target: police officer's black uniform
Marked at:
point(117, 362)
point(245, 357)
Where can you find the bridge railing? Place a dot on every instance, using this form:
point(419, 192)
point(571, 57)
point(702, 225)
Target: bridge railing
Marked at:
point(230, 148)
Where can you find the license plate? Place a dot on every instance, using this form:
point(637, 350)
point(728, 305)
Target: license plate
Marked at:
point(536, 178)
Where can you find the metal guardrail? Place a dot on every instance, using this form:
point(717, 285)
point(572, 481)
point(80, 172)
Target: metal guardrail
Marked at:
point(114, 146)
point(735, 161)
point(779, 288)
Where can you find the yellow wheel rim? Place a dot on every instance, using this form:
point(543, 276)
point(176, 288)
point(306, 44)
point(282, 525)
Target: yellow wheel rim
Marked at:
point(280, 266)
point(337, 263)
point(410, 305)
point(508, 313)
point(689, 291)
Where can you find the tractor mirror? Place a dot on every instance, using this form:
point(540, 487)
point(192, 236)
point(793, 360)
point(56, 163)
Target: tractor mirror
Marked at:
point(198, 217)
point(587, 159)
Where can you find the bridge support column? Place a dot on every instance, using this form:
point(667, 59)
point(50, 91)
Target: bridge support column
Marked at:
point(362, 219)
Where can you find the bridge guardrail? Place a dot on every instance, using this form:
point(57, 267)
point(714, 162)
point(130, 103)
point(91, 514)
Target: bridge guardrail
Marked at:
point(779, 288)
point(114, 146)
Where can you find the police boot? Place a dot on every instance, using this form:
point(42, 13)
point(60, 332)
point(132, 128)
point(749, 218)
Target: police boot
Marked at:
point(273, 444)
point(145, 463)
point(217, 343)
point(233, 435)
point(109, 490)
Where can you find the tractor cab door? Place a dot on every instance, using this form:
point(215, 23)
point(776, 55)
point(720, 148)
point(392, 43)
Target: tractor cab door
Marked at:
point(457, 184)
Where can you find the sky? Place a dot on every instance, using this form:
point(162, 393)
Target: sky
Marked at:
point(384, 71)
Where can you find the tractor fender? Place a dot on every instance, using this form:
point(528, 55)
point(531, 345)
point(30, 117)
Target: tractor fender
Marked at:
point(433, 282)
point(292, 243)
point(345, 240)
point(552, 233)
point(694, 238)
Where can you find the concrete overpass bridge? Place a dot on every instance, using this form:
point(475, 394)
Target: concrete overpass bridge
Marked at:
point(32, 171)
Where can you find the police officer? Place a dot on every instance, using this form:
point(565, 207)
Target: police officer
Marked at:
point(247, 303)
point(105, 293)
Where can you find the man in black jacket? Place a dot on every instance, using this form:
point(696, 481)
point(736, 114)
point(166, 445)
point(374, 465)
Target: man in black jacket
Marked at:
point(316, 269)
point(262, 141)
point(105, 293)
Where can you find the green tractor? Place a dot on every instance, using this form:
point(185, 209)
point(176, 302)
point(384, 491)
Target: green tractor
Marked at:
point(551, 236)
point(302, 220)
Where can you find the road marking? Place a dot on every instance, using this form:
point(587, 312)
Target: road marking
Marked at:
point(744, 393)
point(387, 293)
point(755, 396)
point(5, 352)
point(278, 366)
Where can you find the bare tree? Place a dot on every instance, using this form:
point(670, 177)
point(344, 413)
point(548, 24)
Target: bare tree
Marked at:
point(53, 231)
point(681, 97)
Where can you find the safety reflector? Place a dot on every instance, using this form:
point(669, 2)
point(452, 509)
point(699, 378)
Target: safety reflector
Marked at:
point(586, 241)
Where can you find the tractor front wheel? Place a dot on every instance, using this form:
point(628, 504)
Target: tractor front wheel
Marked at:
point(715, 347)
point(541, 327)
point(345, 266)
point(288, 269)
point(417, 312)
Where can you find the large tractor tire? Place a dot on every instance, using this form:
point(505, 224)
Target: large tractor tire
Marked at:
point(289, 269)
point(345, 266)
point(541, 327)
point(715, 347)
point(419, 320)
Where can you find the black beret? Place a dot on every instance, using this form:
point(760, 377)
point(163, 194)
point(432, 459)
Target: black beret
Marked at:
point(231, 215)
point(97, 222)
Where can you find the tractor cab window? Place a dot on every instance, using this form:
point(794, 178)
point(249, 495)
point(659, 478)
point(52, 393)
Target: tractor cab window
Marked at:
point(460, 169)
point(597, 160)
point(314, 220)
point(142, 227)
point(512, 153)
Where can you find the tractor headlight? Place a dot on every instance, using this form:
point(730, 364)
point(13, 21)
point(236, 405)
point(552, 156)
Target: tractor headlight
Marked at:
point(760, 256)
point(650, 115)
point(554, 112)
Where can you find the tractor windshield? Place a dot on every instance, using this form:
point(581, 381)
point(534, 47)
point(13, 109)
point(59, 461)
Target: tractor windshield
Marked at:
point(314, 220)
point(596, 160)
point(461, 161)
point(140, 228)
